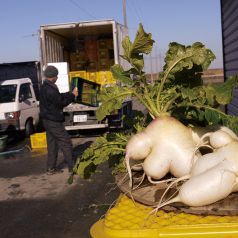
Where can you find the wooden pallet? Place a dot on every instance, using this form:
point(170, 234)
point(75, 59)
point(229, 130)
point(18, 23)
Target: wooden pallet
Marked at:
point(150, 194)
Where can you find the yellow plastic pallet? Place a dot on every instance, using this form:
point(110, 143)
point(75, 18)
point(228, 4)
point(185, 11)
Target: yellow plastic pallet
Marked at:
point(129, 220)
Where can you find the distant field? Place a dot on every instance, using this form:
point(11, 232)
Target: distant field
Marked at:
point(209, 76)
point(213, 72)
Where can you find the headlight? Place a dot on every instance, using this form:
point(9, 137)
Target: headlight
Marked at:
point(12, 115)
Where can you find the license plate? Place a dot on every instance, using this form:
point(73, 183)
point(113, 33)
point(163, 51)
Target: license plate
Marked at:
point(80, 118)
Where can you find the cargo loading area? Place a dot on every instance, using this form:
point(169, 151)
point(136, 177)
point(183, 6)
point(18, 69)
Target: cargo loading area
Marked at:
point(88, 48)
point(83, 53)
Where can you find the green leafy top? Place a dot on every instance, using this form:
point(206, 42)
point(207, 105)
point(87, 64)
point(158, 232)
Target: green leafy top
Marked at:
point(178, 89)
point(178, 92)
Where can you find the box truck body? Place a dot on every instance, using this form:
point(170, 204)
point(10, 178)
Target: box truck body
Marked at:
point(84, 52)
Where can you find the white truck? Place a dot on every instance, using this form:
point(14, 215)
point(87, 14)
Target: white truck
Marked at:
point(84, 53)
point(19, 109)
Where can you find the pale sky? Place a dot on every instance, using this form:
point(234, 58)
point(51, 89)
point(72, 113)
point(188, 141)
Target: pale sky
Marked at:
point(183, 21)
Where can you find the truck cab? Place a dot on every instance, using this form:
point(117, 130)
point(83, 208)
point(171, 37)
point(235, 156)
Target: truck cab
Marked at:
point(19, 109)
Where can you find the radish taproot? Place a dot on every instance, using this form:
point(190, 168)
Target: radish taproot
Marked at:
point(226, 147)
point(228, 153)
point(217, 138)
point(218, 171)
point(208, 187)
point(207, 161)
point(166, 145)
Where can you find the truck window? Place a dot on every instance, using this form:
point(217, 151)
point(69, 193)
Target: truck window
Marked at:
point(8, 93)
point(25, 91)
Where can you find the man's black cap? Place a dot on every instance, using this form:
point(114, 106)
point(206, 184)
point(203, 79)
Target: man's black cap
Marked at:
point(51, 71)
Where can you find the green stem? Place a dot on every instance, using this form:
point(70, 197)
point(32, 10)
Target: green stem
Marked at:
point(199, 107)
point(151, 103)
point(164, 79)
point(109, 144)
point(120, 149)
point(169, 103)
point(122, 138)
point(146, 104)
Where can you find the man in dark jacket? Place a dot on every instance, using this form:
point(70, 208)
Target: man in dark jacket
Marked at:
point(52, 103)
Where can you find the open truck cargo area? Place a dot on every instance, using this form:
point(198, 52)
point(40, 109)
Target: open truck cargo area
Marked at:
point(83, 52)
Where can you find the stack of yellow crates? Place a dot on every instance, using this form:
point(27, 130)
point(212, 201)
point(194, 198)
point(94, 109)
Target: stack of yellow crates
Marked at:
point(93, 61)
point(105, 77)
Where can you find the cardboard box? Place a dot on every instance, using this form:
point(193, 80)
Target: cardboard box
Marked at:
point(78, 66)
point(63, 67)
point(63, 83)
point(92, 66)
point(75, 57)
point(104, 64)
point(102, 44)
point(103, 54)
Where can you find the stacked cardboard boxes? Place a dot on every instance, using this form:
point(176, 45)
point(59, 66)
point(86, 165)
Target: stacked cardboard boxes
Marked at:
point(105, 54)
point(78, 58)
point(92, 59)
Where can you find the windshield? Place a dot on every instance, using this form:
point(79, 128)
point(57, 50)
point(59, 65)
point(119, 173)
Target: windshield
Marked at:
point(8, 93)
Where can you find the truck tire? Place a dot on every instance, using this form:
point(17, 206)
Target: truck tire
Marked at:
point(29, 128)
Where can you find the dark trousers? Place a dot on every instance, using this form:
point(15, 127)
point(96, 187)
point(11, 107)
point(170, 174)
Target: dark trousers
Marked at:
point(58, 138)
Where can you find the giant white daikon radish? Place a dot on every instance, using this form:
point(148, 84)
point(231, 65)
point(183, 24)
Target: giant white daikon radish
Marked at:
point(166, 145)
point(208, 187)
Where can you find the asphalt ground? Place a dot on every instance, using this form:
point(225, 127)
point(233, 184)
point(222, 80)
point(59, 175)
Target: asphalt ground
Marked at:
point(34, 204)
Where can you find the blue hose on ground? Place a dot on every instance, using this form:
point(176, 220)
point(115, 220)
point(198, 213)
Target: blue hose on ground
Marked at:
point(15, 151)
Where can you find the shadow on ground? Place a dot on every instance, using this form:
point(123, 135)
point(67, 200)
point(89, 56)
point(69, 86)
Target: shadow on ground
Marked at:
point(60, 210)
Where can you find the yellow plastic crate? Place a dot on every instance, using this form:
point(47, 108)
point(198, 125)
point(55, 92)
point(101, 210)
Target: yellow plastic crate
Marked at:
point(105, 77)
point(80, 73)
point(131, 220)
point(38, 140)
point(92, 76)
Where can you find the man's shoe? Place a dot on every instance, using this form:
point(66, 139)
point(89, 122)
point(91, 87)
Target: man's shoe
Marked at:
point(54, 171)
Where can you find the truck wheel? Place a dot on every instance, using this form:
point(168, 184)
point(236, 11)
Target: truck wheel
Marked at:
point(29, 128)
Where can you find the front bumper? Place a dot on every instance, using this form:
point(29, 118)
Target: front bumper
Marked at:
point(9, 125)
